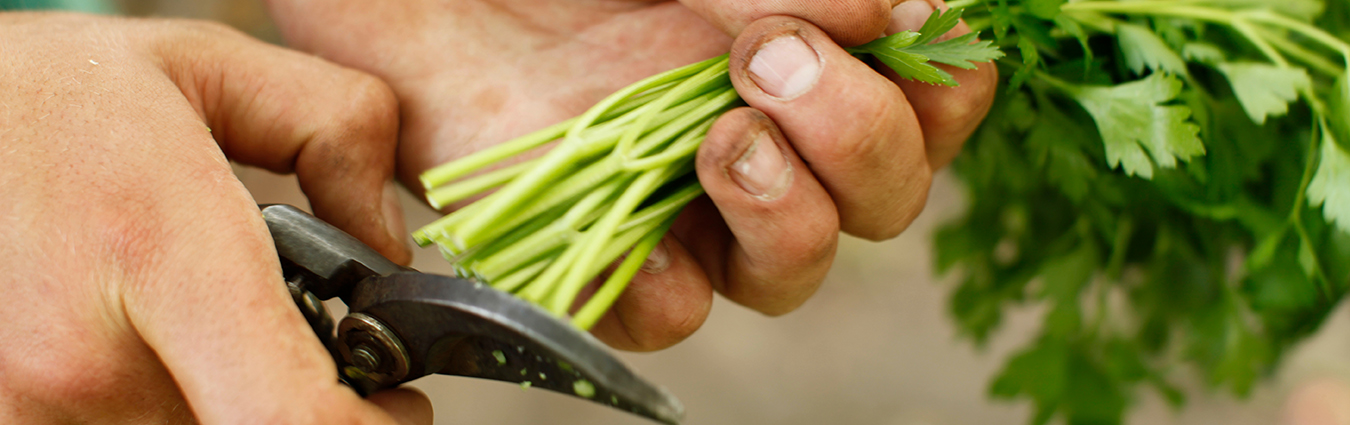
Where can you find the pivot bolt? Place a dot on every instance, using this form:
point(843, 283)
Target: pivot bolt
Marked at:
point(365, 358)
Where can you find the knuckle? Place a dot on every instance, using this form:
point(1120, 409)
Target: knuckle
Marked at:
point(865, 141)
point(889, 221)
point(372, 95)
point(182, 33)
point(963, 108)
point(676, 329)
point(852, 22)
point(810, 246)
point(202, 29)
point(371, 109)
point(720, 147)
point(364, 129)
point(781, 302)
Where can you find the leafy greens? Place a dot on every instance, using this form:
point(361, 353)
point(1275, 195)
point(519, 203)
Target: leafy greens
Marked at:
point(1170, 179)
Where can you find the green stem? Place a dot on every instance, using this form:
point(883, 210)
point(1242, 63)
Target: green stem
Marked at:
point(442, 196)
point(1120, 247)
point(1301, 53)
point(609, 291)
point(591, 176)
point(519, 278)
point(478, 254)
point(1249, 32)
point(450, 171)
point(1316, 34)
point(589, 118)
point(595, 238)
point(603, 137)
point(543, 178)
point(473, 162)
point(556, 234)
point(1301, 201)
point(714, 72)
point(684, 147)
point(1172, 8)
point(964, 4)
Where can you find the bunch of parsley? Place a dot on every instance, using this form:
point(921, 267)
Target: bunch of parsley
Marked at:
point(1169, 180)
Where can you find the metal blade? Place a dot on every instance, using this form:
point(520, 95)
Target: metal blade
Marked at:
point(457, 327)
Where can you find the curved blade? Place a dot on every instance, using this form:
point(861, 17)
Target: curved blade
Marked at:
point(457, 327)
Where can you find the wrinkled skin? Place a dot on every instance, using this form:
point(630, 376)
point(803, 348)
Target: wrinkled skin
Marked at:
point(140, 283)
point(842, 149)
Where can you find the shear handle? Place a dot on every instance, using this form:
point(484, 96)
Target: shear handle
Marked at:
point(331, 261)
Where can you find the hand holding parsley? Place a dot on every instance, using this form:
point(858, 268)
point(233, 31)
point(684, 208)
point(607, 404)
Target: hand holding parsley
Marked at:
point(765, 240)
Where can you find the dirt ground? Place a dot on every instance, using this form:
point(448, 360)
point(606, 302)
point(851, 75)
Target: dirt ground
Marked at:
point(873, 347)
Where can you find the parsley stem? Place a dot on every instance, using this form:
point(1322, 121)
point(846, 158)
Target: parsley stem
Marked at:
point(574, 146)
point(1120, 247)
point(609, 291)
point(594, 240)
point(581, 180)
point(1315, 33)
point(1301, 201)
point(1300, 53)
point(1171, 8)
point(964, 4)
point(442, 196)
point(519, 278)
point(448, 172)
point(1249, 32)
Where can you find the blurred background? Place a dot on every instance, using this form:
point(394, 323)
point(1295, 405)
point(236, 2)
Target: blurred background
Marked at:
point(874, 346)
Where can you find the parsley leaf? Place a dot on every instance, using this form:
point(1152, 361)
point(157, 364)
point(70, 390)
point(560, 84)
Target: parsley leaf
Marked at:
point(1265, 90)
point(908, 53)
point(938, 24)
point(1135, 116)
point(961, 52)
point(1330, 187)
point(1211, 101)
point(1145, 50)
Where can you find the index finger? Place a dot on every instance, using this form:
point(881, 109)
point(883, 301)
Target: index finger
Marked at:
point(212, 306)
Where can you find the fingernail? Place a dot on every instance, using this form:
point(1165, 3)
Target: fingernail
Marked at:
point(658, 260)
point(910, 15)
point(762, 171)
point(785, 67)
point(393, 215)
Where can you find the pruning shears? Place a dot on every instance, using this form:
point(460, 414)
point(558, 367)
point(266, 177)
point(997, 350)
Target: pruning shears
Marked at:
point(403, 324)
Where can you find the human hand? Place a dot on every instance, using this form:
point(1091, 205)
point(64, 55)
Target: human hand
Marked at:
point(141, 283)
point(829, 145)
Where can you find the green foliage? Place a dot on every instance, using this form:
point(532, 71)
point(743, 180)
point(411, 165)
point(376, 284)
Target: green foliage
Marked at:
point(908, 53)
point(1134, 117)
point(1328, 188)
point(1139, 151)
point(1265, 90)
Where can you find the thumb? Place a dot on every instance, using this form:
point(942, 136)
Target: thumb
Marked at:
point(286, 111)
point(408, 406)
point(848, 22)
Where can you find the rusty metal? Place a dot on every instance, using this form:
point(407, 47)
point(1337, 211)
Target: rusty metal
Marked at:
point(403, 324)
